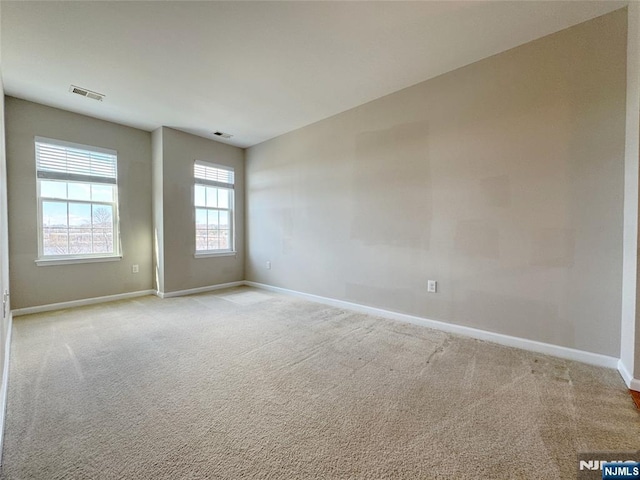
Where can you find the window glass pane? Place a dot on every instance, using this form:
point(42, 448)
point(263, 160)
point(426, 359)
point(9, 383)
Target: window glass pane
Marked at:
point(212, 197)
point(212, 241)
point(102, 193)
point(102, 216)
point(212, 232)
point(80, 240)
point(55, 237)
point(224, 219)
point(201, 228)
point(79, 228)
point(52, 189)
point(55, 240)
point(79, 191)
point(102, 239)
point(223, 237)
point(79, 215)
point(223, 197)
point(201, 239)
point(201, 218)
point(200, 196)
point(212, 218)
point(54, 214)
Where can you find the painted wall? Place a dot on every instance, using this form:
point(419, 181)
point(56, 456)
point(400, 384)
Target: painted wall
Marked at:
point(502, 180)
point(41, 285)
point(181, 270)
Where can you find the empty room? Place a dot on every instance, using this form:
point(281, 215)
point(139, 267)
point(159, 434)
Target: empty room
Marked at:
point(319, 240)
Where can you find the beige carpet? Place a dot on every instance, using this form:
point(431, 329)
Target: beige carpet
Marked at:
point(248, 384)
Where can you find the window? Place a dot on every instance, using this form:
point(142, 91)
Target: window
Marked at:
point(77, 201)
point(213, 202)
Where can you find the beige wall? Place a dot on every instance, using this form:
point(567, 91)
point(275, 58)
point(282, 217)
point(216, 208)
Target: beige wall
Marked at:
point(41, 285)
point(179, 269)
point(502, 180)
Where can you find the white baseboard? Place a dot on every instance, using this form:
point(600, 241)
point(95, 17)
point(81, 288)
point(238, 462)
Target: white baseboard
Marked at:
point(632, 383)
point(80, 303)
point(4, 386)
point(191, 291)
point(517, 342)
point(509, 341)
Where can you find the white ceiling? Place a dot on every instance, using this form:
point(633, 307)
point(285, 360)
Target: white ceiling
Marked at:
point(253, 69)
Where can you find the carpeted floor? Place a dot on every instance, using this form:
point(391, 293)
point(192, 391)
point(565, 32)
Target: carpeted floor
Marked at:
point(248, 384)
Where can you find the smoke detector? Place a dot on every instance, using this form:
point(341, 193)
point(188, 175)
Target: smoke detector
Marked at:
point(222, 134)
point(86, 93)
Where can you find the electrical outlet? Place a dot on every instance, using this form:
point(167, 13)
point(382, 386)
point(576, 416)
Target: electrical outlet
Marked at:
point(135, 269)
point(268, 265)
point(432, 286)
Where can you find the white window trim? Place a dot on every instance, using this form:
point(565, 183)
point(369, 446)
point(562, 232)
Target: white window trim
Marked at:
point(215, 253)
point(232, 210)
point(52, 260)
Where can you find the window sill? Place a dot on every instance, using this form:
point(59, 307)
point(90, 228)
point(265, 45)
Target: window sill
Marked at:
point(215, 254)
point(49, 262)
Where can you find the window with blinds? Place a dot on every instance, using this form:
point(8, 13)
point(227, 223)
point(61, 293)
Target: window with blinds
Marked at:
point(213, 199)
point(77, 200)
point(215, 175)
point(61, 161)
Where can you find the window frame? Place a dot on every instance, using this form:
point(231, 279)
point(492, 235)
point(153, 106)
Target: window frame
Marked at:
point(70, 258)
point(230, 187)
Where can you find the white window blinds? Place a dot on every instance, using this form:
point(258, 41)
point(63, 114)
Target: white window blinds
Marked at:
point(58, 160)
point(214, 175)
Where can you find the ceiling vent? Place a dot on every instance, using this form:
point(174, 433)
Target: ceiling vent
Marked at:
point(222, 134)
point(86, 93)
